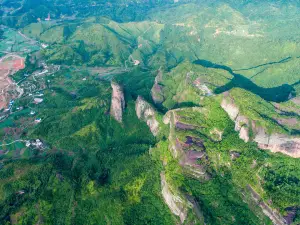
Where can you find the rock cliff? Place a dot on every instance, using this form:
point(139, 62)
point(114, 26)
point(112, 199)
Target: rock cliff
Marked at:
point(117, 102)
point(157, 89)
point(275, 142)
point(202, 87)
point(276, 218)
point(189, 150)
point(177, 205)
point(146, 112)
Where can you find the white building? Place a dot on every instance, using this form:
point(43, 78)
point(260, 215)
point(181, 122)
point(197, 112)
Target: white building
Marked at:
point(136, 62)
point(38, 100)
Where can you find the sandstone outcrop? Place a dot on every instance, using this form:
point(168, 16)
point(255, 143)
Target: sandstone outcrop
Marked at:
point(146, 112)
point(242, 125)
point(276, 218)
point(231, 109)
point(282, 143)
point(178, 205)
point(117, 102)
point(157, 89)
point(202, 87)
point(171, 119)
point(190, 150)
point(275, 142)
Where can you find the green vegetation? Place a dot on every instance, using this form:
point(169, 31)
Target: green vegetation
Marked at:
point(65, 160)
point(12, 41)
point(101, 160)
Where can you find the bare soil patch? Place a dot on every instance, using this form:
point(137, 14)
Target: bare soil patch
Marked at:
point(9, 64)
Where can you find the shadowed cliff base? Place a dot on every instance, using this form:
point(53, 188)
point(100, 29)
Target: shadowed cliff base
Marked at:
point(276, 94)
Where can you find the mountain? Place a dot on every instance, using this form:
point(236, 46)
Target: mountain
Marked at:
point(150, 112)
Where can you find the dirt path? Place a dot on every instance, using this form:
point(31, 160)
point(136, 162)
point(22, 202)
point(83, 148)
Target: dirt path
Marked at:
point(13, 142)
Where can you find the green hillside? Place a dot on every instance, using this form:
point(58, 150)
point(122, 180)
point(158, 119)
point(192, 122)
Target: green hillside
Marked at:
point(150, 112)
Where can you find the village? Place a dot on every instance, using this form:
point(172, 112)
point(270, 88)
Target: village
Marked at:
point(23, 98)
point(21, 95)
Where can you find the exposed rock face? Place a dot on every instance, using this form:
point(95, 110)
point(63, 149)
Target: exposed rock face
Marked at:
point(171, 119)
point(145, 112)
point(242, 125)
point(190, 157)
point(167, 117)
point(177, 205)
point(117, 102)
point(284, 144)
point(276, 218)
point(157, 89)
point(202, 87)
point(261, 136)
point(241, 122)
point(274, 142)
point(231, 109)
point(189, 151)
point(189, 161)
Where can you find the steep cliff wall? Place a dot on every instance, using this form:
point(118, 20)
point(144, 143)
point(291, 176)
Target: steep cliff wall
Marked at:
point(276, 218)
point(146, 112)
point(157, 89)
point(177, 205)
point(275, 142)
point(190, 149)
point(117, 102)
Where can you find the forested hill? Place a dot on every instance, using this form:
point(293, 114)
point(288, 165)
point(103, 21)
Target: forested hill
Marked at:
point(19, 13)
point(150, 112)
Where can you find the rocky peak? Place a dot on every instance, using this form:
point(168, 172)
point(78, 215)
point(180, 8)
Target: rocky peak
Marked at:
point(146, 112)
point(117, 102)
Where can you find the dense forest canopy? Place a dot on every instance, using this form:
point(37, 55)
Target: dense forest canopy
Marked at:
point(149, 112)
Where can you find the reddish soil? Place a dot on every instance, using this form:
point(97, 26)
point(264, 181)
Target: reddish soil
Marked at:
point(14, 64)
point(8, 65)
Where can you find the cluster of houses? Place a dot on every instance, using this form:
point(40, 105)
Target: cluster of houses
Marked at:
point(35, 144)
point(11, 102)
